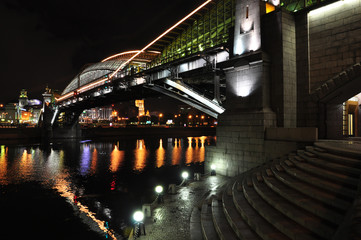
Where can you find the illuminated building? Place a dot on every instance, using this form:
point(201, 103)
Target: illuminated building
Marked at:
point(140, 105)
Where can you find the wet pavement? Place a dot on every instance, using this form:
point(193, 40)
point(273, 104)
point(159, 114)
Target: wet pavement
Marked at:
point(170, 220)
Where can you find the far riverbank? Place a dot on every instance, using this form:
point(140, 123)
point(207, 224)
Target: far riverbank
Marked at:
point(34, 134)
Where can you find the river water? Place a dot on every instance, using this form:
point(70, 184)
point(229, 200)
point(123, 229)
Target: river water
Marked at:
point(103, 182)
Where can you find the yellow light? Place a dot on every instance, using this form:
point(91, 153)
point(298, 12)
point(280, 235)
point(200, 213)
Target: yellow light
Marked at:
point(120, 54)
point(159, 37)
point(190, 116)
point(269, 8)
point(161, 115)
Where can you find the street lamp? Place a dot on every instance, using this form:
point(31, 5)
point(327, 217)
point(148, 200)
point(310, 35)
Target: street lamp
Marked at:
point(159, 191)
point(160, 116)
point(138, 217)
point(185, 175)
point(213, 170)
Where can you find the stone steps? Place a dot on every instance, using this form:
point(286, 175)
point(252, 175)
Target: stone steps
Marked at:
point(311, 191)
point(262, 227)
point(208, 229)
point(343, 179)
point(284, 224)
point(224, 230)
point(303, 196)
point(304, 218)
point(338, 188)
point(351, 162)
point(336, 167)
point(235, 220)
point(303, 201)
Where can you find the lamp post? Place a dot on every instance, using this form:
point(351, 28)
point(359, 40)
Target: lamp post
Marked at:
point(159, 191)
point(213, 170)
point(160, 117)
point(138, 217)
point(185, 176)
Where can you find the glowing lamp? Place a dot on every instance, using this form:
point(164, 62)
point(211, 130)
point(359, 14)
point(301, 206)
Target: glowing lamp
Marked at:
point(213, 170)
point(159, 189)
point(138, 216)
point(185, 175)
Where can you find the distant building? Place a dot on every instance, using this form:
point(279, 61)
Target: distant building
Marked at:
point(24, 111)
point(96, 114)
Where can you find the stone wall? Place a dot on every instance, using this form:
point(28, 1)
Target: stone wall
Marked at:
point(334, 40)
point(240, 142)
point(289, 70)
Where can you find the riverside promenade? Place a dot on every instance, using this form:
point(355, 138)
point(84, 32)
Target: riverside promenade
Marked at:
point(332, 183)
point(170, 220)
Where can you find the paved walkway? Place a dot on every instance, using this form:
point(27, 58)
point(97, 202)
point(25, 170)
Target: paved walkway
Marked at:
point(170, 220)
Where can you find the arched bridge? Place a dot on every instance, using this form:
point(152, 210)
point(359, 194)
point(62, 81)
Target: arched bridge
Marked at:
point(187, 57)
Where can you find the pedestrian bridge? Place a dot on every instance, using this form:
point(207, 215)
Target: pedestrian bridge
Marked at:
point(186, 62)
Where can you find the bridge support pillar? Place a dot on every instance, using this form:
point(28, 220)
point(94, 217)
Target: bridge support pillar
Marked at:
point(241, 129)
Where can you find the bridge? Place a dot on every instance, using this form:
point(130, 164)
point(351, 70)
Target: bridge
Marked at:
point(189, 56)
point(274, 73)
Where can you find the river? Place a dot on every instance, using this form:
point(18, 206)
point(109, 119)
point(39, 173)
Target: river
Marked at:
point(101, 182)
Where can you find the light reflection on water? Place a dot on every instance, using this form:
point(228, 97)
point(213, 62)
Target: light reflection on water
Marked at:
point(66, 167)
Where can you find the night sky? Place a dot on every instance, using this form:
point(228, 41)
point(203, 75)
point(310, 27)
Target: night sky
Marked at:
point(47, 42)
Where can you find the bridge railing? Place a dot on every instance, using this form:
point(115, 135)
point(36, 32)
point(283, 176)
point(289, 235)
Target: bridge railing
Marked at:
point(211, 29)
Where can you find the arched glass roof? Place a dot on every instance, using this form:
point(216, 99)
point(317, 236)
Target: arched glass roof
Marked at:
point(106, 66)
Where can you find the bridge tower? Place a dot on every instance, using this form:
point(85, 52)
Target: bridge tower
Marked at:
point(260, 41)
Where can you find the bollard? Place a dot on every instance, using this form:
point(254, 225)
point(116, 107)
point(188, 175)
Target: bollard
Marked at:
point(146, 210)
point(172, 189)
point(197, 176)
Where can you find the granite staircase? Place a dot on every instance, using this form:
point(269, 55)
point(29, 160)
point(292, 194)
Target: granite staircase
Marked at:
point(306, 195)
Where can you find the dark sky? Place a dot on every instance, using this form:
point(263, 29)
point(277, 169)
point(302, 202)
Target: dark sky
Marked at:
point(47, 42)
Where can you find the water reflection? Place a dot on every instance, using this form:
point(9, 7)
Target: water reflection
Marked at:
point(85, 160)
point(140, 155)
point(3, 163)
point(26, 165)
point(160, 154)
point(93, 168)
point(116, 158)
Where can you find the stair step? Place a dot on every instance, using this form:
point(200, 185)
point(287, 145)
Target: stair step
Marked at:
point(351, 162)
point(284, 224)
point(311, 191)
point(269, 172)
point(332, 166)
point(289, 163)
point(262, 227)
point(301, 200)
point(337, 149)
point(299, 159)
point(259, 177)
point(279, 168)
point(336, 188)
point(223, 229)
point(320, 149)
point(195, 224)
point(235, 220)
point(308, 220)
point(208, 229)
point(327, 174)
